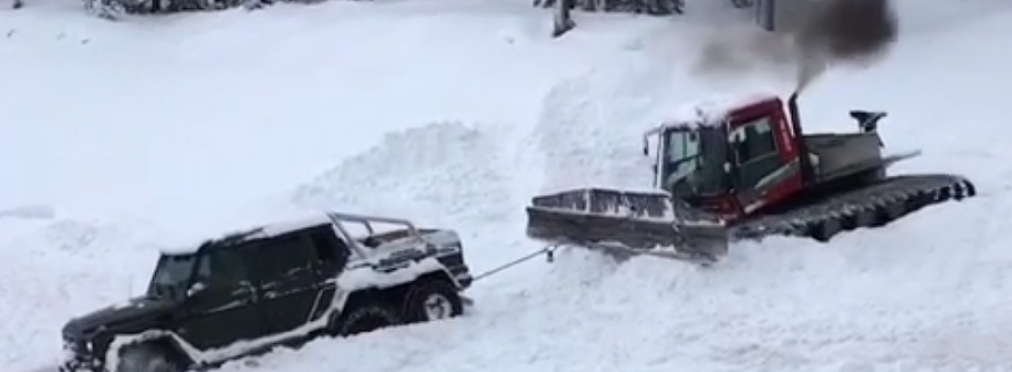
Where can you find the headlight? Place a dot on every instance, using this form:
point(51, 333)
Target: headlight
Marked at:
point(77, 347)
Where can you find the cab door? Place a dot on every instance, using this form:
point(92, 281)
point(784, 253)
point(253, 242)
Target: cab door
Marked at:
point(762, 171)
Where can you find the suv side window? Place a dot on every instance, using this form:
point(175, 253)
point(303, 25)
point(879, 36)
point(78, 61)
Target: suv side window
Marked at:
point(329, 248)
point(223, 267)
point(285, 254)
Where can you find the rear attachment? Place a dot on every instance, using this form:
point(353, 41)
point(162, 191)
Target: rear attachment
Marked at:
point(627, 223)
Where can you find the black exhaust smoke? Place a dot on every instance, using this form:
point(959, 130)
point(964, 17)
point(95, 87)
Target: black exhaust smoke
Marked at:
point(840, 31)
point(816, 35)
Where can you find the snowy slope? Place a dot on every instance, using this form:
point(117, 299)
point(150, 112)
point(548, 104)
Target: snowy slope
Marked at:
point(454, 113)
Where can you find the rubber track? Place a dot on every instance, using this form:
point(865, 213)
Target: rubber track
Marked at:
point(875, 205)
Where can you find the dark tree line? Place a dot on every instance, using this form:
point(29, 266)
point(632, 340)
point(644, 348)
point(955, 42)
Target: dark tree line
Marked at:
point(651, 7)
point(564, 21)
point(110, 9)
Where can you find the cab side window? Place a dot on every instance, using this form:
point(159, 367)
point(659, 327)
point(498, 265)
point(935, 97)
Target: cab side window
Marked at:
point(222, 268)
point(755, 151)
point(285, 255)
point(756, 141)
point(329, 248)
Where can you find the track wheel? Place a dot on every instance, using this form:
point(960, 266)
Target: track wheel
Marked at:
point(430, 300)
point(864, 218)
point(889, 213)
point(826, 229)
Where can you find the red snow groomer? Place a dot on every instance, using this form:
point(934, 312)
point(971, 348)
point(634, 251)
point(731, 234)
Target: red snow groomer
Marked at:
point(744, 169)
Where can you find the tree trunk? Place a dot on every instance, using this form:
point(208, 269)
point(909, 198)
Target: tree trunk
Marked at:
point(563, 20)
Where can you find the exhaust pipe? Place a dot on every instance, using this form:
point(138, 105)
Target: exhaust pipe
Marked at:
point(807, 173)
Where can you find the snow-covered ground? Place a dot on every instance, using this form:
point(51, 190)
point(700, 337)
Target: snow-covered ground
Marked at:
point(116, 138)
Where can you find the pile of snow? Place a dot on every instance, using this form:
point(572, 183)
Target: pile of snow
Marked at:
point(429, 173)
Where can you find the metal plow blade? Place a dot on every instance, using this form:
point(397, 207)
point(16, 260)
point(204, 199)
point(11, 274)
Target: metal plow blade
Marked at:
point(627, 223)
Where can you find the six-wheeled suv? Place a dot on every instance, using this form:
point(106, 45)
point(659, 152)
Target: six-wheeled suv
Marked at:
point(248, 292)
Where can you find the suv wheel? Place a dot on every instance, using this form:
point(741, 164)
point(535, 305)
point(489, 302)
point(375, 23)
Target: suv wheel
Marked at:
point(147, 358)
point(431, 300)
point(364, 318)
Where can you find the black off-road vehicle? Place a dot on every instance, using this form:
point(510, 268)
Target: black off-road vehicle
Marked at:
point(248, 292)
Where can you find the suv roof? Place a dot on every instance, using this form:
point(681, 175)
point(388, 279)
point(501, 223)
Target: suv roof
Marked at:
point(256, 230)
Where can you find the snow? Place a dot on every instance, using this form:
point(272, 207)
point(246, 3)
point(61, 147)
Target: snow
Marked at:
point(365, 277)
point(121, 138)
point(277, 225)
point(713, 109)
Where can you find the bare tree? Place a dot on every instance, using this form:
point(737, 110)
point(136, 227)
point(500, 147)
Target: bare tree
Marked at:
point(652, 7)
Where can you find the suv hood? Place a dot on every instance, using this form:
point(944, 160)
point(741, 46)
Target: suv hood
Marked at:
point(122, 317)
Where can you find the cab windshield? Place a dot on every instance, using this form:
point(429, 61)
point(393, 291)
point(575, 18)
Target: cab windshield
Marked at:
point(172, 275)
point(693, 162)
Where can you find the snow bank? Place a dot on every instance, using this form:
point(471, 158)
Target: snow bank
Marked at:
point(429, 173)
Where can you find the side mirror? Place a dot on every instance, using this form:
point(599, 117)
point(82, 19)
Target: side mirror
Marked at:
point(736, 136)
point(729, 177)
point(195, 289)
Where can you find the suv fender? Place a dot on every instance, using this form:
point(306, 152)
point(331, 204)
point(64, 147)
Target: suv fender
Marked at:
point(392, 302)
point(369, 305)
point(165, 341)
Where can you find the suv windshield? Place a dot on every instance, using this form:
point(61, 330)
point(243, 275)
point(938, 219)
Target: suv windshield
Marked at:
point(693, 162)
point(172, 275)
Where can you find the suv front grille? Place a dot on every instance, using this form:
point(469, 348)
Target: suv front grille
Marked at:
point(77, 358)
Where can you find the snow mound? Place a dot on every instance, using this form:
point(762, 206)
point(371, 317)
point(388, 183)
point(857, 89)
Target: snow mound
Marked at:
point(428, 173)
point(587, 131)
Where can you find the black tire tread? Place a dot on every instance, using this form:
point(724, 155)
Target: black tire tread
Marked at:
point(412, 305)
point(348, 323)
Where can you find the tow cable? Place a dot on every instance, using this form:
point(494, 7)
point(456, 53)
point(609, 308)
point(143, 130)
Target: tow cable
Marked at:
point(548, 251)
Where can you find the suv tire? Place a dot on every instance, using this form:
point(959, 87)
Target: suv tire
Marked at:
point(147, 357)
point(431, 300)
point(364, 318)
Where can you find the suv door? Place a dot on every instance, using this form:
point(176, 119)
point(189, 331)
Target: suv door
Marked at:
point(225, 310)
point(332, 254)
point(286, 280)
